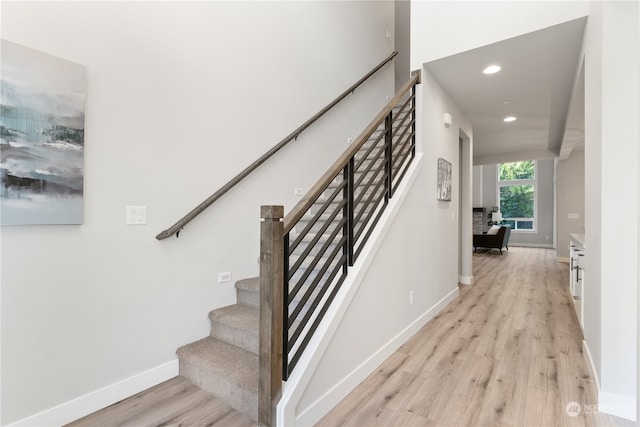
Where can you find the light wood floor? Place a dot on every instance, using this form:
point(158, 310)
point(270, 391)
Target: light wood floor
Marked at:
point(175, 403)
point(507, 352)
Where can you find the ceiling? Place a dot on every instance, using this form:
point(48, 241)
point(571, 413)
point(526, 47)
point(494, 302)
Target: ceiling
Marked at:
point(538, 76)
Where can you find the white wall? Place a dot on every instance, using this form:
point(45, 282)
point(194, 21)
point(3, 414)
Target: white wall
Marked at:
point(402, 41)
point(570, 199)
point(477, 186)
point(444, 28)
point(181, 96)
point(612, 114)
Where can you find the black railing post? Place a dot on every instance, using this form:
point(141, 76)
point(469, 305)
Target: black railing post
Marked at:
point(388, 137)
point(349, 176)
point(413, 121)
point(285, 309)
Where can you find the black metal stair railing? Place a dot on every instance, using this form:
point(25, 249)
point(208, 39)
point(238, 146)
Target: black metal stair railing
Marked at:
point(327, 231)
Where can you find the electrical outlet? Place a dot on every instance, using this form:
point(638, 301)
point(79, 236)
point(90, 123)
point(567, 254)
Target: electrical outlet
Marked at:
point(349, 141)
point(298, 191)
point(224, 277)
point(411, 294)
point(573, 216)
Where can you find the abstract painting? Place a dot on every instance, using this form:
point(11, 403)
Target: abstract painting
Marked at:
point(444, 180)
point(41, 138)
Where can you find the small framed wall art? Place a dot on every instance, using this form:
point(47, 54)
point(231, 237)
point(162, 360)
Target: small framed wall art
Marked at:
point(444, 180)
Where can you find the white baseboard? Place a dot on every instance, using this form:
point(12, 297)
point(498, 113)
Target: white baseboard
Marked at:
point(531, 245)
point(609, 403)
point(466, 280)
point(325, 403)
point(619, 406)
point(96, 400)
point(590, 364)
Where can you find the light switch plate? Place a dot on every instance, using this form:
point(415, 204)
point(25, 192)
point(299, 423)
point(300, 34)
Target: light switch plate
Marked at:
point(136, 215)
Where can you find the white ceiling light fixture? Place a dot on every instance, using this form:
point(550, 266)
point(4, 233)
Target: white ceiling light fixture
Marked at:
point(492, 69)
point(510, 119)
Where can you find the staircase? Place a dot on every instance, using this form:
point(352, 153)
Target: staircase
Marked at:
point(225, 363)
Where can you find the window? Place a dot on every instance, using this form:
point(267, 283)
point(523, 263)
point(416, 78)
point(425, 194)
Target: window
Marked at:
point(517, 194)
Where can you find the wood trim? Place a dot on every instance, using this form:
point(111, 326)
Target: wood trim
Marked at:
point(271, 306)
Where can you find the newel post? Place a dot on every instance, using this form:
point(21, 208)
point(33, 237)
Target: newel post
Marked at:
point(271, 301)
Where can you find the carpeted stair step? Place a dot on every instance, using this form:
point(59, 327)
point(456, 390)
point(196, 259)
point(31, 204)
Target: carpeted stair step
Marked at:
point(236, 324)
point(224, 370)
point(248, 292)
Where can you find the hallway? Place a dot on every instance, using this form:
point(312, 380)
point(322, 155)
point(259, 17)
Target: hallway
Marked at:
point(507, 352)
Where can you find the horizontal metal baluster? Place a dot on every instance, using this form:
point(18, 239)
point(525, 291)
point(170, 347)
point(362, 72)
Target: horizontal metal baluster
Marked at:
point(316, 301)
point(323, 208)
point(318, 319)
point(375, 203)
point(315, 239)
point(371, 168)
point(365, 156)
point(382, 201)
point(374, 184)
point(314, 262)
point(407, 157)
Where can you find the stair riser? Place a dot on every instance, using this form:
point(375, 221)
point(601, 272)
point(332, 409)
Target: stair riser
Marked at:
point(248, 298)
point(243, 400)
point(239, 338)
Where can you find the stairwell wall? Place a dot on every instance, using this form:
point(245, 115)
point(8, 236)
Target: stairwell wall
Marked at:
point(181, 96)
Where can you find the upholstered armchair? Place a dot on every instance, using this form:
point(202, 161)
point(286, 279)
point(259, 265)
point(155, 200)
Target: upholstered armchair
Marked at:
point(496, 238)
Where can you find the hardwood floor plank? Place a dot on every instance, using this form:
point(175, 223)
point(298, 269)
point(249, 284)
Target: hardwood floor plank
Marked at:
point(175, 402)
point(507, 352)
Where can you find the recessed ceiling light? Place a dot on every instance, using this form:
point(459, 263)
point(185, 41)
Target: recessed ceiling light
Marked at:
point(510, 119)
point(492, 69)
point(505, 102)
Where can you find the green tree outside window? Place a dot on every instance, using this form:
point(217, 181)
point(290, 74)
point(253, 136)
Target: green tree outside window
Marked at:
point(516, 187)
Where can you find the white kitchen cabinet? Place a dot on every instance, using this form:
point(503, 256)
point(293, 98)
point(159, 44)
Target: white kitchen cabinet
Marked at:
point(577, 274)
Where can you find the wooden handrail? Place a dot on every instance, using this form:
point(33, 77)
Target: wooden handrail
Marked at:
point(310, 197)
point(179, 225)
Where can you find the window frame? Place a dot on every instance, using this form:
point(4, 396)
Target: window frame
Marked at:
point(511, 183)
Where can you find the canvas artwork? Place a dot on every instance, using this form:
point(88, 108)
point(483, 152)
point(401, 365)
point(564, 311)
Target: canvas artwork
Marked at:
point(444, 180)
point(41, 137)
